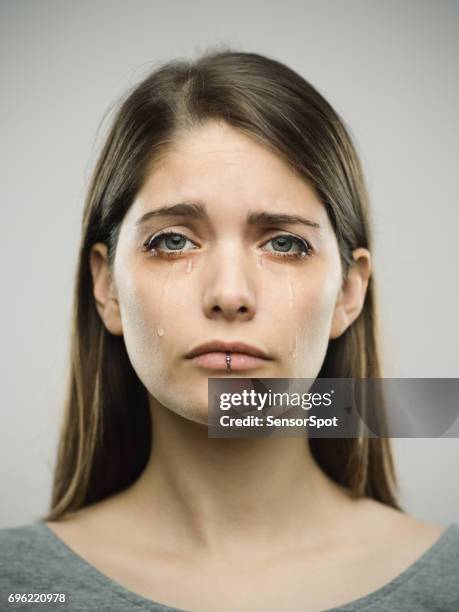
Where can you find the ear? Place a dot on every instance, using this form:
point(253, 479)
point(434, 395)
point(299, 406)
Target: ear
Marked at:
point(352, 294)
point(104, 290)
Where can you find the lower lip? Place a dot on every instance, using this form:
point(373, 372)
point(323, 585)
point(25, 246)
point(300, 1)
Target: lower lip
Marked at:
point(239, 361)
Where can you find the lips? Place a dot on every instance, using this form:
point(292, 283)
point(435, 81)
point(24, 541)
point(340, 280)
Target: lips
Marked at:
point(227, 347)
point(212, 355)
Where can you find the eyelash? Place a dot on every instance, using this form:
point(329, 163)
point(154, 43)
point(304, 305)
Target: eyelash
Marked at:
point(150, 245)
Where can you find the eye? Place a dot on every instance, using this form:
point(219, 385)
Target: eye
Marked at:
point(173, 241)
point(283, 244)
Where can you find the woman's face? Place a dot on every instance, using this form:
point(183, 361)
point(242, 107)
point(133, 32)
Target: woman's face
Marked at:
point(229, 273)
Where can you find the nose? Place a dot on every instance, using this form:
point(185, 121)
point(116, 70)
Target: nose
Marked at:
point(229, 293)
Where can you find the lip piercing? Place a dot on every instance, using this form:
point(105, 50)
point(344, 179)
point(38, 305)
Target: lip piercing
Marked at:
point(228, 362)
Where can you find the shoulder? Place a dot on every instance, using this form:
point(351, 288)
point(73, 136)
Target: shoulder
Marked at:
point(23, 550)
point(397, 538)
point(416, 561)
point(427, 551)
point(432, 581)
point(17, 541)
point(91, 528)
point(33, 561)
point(386, 523)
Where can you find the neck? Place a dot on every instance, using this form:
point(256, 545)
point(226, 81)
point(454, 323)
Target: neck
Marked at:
point(228, 494)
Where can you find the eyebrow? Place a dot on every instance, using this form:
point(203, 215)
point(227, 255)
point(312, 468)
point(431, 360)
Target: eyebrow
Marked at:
point(197, 211)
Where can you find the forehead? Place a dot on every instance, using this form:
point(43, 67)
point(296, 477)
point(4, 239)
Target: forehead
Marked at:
point(229, 172)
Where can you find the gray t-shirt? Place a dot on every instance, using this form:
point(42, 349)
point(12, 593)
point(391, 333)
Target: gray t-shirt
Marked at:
point(35, 561)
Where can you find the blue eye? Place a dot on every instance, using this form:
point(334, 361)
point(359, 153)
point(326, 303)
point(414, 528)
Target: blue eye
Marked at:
point(284, 243)
point(173, 241)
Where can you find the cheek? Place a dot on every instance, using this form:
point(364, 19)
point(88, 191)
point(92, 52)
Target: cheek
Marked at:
point(152, 305)
point(314, 304)
point(146, 313)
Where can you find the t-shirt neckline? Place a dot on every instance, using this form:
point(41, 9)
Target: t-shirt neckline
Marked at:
point(107, 583)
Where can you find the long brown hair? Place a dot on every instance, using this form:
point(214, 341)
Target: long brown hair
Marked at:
point(104, 443)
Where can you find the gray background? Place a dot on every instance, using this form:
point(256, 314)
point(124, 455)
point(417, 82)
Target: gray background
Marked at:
point(389, 68)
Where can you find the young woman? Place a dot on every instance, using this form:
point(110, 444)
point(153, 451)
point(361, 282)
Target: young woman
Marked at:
point(227, 216)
